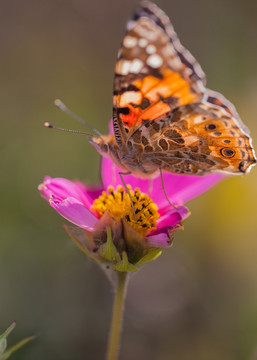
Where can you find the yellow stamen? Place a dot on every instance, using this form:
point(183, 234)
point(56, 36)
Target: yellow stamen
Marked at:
point(119, 205)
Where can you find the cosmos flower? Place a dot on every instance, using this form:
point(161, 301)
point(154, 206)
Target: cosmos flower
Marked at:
point(106, 227)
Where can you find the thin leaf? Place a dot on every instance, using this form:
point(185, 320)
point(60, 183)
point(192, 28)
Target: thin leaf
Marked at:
point(3, 341)
point(16, 347)
point(8, 330)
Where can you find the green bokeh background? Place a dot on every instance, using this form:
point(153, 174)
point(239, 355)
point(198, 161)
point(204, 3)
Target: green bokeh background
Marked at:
point(197, 301)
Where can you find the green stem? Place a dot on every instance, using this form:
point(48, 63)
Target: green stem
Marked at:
point(115, 331)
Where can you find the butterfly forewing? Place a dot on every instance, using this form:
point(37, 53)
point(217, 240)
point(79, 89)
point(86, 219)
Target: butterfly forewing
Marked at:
point(154, 73)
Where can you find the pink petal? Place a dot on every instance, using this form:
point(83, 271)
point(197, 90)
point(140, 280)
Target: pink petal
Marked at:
point(183, 188)
point(75, 212)
point(179, 188)
point(93, 192)
point(160, 238)
point(167, 223)
point(62, 188)
point(110, 176)
point(172, 217)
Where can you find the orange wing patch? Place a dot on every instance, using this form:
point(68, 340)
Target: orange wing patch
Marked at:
point(154, 97)
point(131, 118)
point(172, 84)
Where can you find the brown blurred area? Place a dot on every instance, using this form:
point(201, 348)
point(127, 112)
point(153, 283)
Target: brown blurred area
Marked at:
point(198, 300)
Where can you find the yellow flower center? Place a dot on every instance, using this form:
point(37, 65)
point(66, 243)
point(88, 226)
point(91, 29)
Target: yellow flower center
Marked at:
point(118, 203)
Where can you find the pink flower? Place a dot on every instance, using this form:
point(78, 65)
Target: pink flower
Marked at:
point(74, 201)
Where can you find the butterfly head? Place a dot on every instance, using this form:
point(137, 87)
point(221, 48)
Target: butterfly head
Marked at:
point(106, 145)
point(101, 144)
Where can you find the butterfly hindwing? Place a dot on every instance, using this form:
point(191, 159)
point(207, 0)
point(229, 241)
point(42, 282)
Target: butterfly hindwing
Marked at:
point(195, 139)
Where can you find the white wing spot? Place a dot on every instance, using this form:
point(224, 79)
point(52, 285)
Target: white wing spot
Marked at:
point(130, 96)
point(136, 66)
point(188, 71)
point(198, 119)
point(151, 49)
point(142, 42)
point(175, 62)
point(129, 41)
point(144, 31)
point(122, 67)
point(154, 61)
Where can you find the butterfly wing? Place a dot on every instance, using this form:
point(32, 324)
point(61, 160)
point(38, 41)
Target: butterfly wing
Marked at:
point(197, 139)
point(154, 73)
point(215, 98)
point(164, 117)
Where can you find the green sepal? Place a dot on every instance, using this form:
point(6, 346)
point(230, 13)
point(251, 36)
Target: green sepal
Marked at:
point(152, 255)
point(124, 265)
point(108, 250)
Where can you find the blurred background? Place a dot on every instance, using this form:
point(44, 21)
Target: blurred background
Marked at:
point(198, 300)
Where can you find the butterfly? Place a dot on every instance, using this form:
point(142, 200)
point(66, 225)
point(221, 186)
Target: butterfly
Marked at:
point(164, 118)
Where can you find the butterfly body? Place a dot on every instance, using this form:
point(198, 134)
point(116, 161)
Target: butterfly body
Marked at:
point(163, 115)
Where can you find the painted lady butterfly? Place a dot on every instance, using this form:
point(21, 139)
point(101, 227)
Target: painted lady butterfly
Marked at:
point(163, 116)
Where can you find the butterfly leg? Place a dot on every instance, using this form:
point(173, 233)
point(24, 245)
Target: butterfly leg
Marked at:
point(127, 190)
point(163, 188)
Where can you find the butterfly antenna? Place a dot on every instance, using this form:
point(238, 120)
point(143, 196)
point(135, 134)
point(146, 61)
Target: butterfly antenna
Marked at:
point(64, 108)
point(50, 126)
